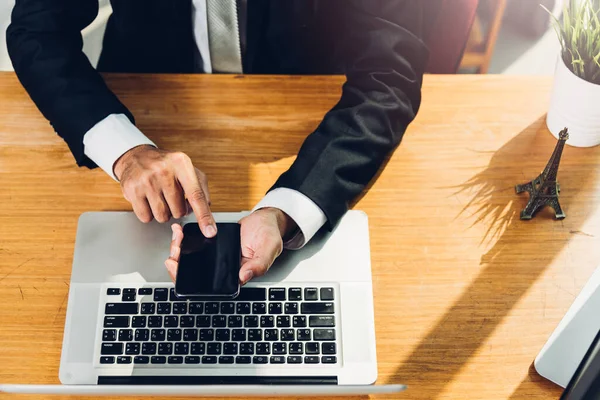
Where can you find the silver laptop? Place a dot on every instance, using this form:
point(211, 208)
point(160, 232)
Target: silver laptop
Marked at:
point(307, 323)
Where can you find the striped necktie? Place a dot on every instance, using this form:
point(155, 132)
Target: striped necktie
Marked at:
point(224, 36)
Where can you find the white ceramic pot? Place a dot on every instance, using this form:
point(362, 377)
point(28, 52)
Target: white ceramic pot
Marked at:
point(575, 105)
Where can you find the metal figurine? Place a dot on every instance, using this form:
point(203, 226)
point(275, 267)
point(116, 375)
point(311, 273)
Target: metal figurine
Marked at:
point(544, 190)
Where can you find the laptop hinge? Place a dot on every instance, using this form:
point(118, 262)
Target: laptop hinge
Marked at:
point(217, 380)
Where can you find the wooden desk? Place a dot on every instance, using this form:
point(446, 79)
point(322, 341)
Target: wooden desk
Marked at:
point(466, 294)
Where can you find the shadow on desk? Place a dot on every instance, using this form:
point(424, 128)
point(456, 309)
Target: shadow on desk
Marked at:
point(481, 308)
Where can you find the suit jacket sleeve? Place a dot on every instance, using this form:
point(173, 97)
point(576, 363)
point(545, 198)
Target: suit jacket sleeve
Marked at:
point(385, 60)
point(45, 45)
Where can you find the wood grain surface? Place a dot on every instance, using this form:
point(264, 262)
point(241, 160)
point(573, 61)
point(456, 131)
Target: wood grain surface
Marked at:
point(466, 294)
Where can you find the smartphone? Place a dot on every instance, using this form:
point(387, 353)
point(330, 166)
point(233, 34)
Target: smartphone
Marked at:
point(209, 267)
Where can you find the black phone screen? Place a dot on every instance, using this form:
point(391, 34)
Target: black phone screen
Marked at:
point(209, 267)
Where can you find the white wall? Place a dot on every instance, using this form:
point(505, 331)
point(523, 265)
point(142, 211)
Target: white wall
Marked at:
point(92, 35)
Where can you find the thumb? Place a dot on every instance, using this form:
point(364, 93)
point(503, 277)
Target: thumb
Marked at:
point(261, 261)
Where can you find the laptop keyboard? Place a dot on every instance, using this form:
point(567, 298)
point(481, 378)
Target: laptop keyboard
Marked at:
point(152, 326)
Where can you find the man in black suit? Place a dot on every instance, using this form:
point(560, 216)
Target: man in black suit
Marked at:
point(377, 44)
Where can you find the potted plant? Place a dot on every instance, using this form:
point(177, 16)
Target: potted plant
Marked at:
point(575, 99)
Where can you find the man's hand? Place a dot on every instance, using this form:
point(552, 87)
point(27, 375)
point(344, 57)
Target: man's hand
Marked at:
point(158, 182)
point(262, 234)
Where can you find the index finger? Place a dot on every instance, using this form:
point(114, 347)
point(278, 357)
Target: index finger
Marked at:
point(197, 199)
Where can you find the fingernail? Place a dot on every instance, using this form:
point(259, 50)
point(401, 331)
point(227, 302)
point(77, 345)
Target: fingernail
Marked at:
point(247, 276)
point(211, 230)
point(174, 234)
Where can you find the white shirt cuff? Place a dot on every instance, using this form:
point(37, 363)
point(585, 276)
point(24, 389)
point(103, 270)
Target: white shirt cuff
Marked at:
point(306, 214)
point(110, 138)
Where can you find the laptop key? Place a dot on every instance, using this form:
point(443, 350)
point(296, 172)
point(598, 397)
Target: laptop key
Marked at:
point(124, 360)
point(209, 360)
point(155, 321)
point(171, 321)
point(148, 348)
point(157, 335)
point(303, 334)
point(213, 348)
point(141, 360)
point(132, 348)
point(294, 359)
point(328, 348)
point(173, 335)
point(252, 294)
point(246, 348)
point(198, 348)
point(254, 335)
point(148, 308)
point(211, 307)
point(179, 308)
point(128, 296)
point(202, 321)
point(196, 308)
point(275, 308)
point(243, 360)
point(250, 321)
point(287, 334)
point(187, 321)
point(238, 335)
point(219, 321)
point(311, 348)
point(259, 308)
point(311, 359)
point(296, 348)
point(291, 308)
point(163, 308)
point(267, 321)
point(283, 321)
point(294, 294)
point(158, 360)
point(120, 308)
point(324, 334)
point(276, 294)
point(277, 360)
point(144, 291)
point(321, 321)
point(109, 335)
point(263, 348)
point(328, 359)
point(316, 308)
point(230, 348)
point(165, 348)
point(260, 360)
point(190, 335)
point(279, 348)
point(116, 322)
point(175, 360)
point(207, 335)
point(234, 321)
point(129, 291)
point(107, 360)
point(182, 348)
point(242, 308)
point(113, 291)
point(142, 335)
point(161, 294)
point(111, 349)
point(173, 296)
point(227, 308)
point(222, 335)
point(326, 293)
point(138, 321)
point(226, 360)
point(271, 335)
point(192, 360)
point(125, 335)
point(299, 321)
point(311, 293)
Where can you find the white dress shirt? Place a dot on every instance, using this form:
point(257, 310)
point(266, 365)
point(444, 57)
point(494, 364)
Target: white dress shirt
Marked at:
point(112, 137)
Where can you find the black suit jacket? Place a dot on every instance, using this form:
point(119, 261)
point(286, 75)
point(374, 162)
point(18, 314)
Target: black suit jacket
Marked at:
point(377, 44)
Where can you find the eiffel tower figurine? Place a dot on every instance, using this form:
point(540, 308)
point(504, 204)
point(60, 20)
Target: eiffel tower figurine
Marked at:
point(544, 190)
